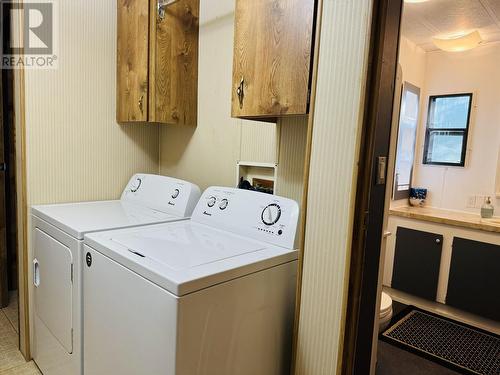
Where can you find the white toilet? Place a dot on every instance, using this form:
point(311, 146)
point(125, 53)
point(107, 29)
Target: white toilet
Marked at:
point(385, 312)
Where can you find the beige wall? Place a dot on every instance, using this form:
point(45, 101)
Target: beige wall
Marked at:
point(291, 161)
point(335, 147)
point(207, 154)
point(75, 149)
point(292, 153)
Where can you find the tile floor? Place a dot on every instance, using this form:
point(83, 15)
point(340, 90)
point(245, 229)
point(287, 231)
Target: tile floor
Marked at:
point(12, 361)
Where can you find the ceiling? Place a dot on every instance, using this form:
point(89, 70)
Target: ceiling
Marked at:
point(442, 18)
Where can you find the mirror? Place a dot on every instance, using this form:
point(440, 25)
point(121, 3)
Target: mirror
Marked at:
point(407, 132)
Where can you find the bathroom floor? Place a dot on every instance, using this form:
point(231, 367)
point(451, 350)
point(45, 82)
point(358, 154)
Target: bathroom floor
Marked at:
point(395, 361)
point(12, 361)
point(392, 360)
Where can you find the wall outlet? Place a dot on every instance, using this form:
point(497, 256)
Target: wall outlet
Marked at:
point(480, 200)
point(471, 201)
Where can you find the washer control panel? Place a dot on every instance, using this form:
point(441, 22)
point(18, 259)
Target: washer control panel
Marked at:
point(264, 217)
point(162, 193)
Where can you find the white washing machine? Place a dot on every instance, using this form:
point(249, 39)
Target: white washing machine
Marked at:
point(214, 295)
point(57, 236)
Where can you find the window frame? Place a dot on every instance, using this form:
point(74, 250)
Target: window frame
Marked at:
point(465, 131)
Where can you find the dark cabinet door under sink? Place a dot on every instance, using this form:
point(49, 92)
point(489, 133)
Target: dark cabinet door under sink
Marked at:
point(474, 282)
point(417, 261)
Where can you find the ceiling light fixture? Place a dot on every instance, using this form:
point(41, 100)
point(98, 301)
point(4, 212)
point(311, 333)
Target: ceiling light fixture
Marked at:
point(459, 43)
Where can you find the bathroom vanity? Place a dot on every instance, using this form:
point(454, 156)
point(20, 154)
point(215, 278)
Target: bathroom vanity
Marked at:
point(445, 256)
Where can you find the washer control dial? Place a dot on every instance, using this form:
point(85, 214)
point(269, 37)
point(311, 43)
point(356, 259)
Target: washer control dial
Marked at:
point(135, 185)
point(223, 204)
point(175, 194)
point(271, 214)
point(211, 201)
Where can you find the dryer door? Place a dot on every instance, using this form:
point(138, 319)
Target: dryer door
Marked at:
point(52, 268)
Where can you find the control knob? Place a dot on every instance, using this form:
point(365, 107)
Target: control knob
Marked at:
point(211, 201)
point(223, 204)
point(175, 194)
point(135, 185)
point(271, 214)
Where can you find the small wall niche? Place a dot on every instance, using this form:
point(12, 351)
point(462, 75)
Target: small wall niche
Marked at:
point(262, 176)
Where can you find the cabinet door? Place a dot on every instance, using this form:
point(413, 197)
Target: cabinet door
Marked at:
point(474, 280)
point(132, 64)
point(173, 67)
point(417, 260)
point(272, 57)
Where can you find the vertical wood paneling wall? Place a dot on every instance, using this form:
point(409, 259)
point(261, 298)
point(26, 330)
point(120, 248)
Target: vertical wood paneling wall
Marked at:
point(292, 153)
point(335, 147)
point(259, 142)
point(75, 149)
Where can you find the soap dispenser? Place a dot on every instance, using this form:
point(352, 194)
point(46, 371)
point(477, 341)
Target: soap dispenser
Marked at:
point(487, 209)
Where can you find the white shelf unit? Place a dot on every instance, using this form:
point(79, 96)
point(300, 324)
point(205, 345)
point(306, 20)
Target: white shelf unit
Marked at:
point(254, 170)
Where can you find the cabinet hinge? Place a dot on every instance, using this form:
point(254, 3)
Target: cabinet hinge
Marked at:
point(309, 96)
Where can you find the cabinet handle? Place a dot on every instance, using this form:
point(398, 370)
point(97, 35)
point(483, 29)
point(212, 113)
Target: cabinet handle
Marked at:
point(438, 240)
point(240, 92)
point(141, 103)
point(161, 11)
point(161, 5)
point(36, 273)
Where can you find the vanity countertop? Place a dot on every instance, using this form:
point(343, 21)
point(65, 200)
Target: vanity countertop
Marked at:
point(460, 219)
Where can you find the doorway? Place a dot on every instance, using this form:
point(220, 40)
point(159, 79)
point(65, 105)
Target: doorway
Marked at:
point(430, 172)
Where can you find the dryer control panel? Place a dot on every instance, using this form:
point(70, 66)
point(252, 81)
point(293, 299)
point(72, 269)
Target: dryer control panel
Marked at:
point(162, 193)
point(264, 217)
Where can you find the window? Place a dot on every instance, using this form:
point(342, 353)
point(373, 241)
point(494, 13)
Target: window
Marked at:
point(408, 121)
point(447, 129)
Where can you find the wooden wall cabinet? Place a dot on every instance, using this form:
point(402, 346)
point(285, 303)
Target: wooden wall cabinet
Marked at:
point(157, 66)
point(272, 62)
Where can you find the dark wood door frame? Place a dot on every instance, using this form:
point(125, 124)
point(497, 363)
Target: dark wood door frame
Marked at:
point(8, 207)
point(10, 176)
point(4, 280)
point(370, 195)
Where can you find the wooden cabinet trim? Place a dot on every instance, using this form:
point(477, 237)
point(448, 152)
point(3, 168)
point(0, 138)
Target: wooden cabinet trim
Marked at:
point(174, 64)
point(132, 60)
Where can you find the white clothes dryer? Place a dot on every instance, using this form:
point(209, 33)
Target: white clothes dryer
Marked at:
point(57, 236)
